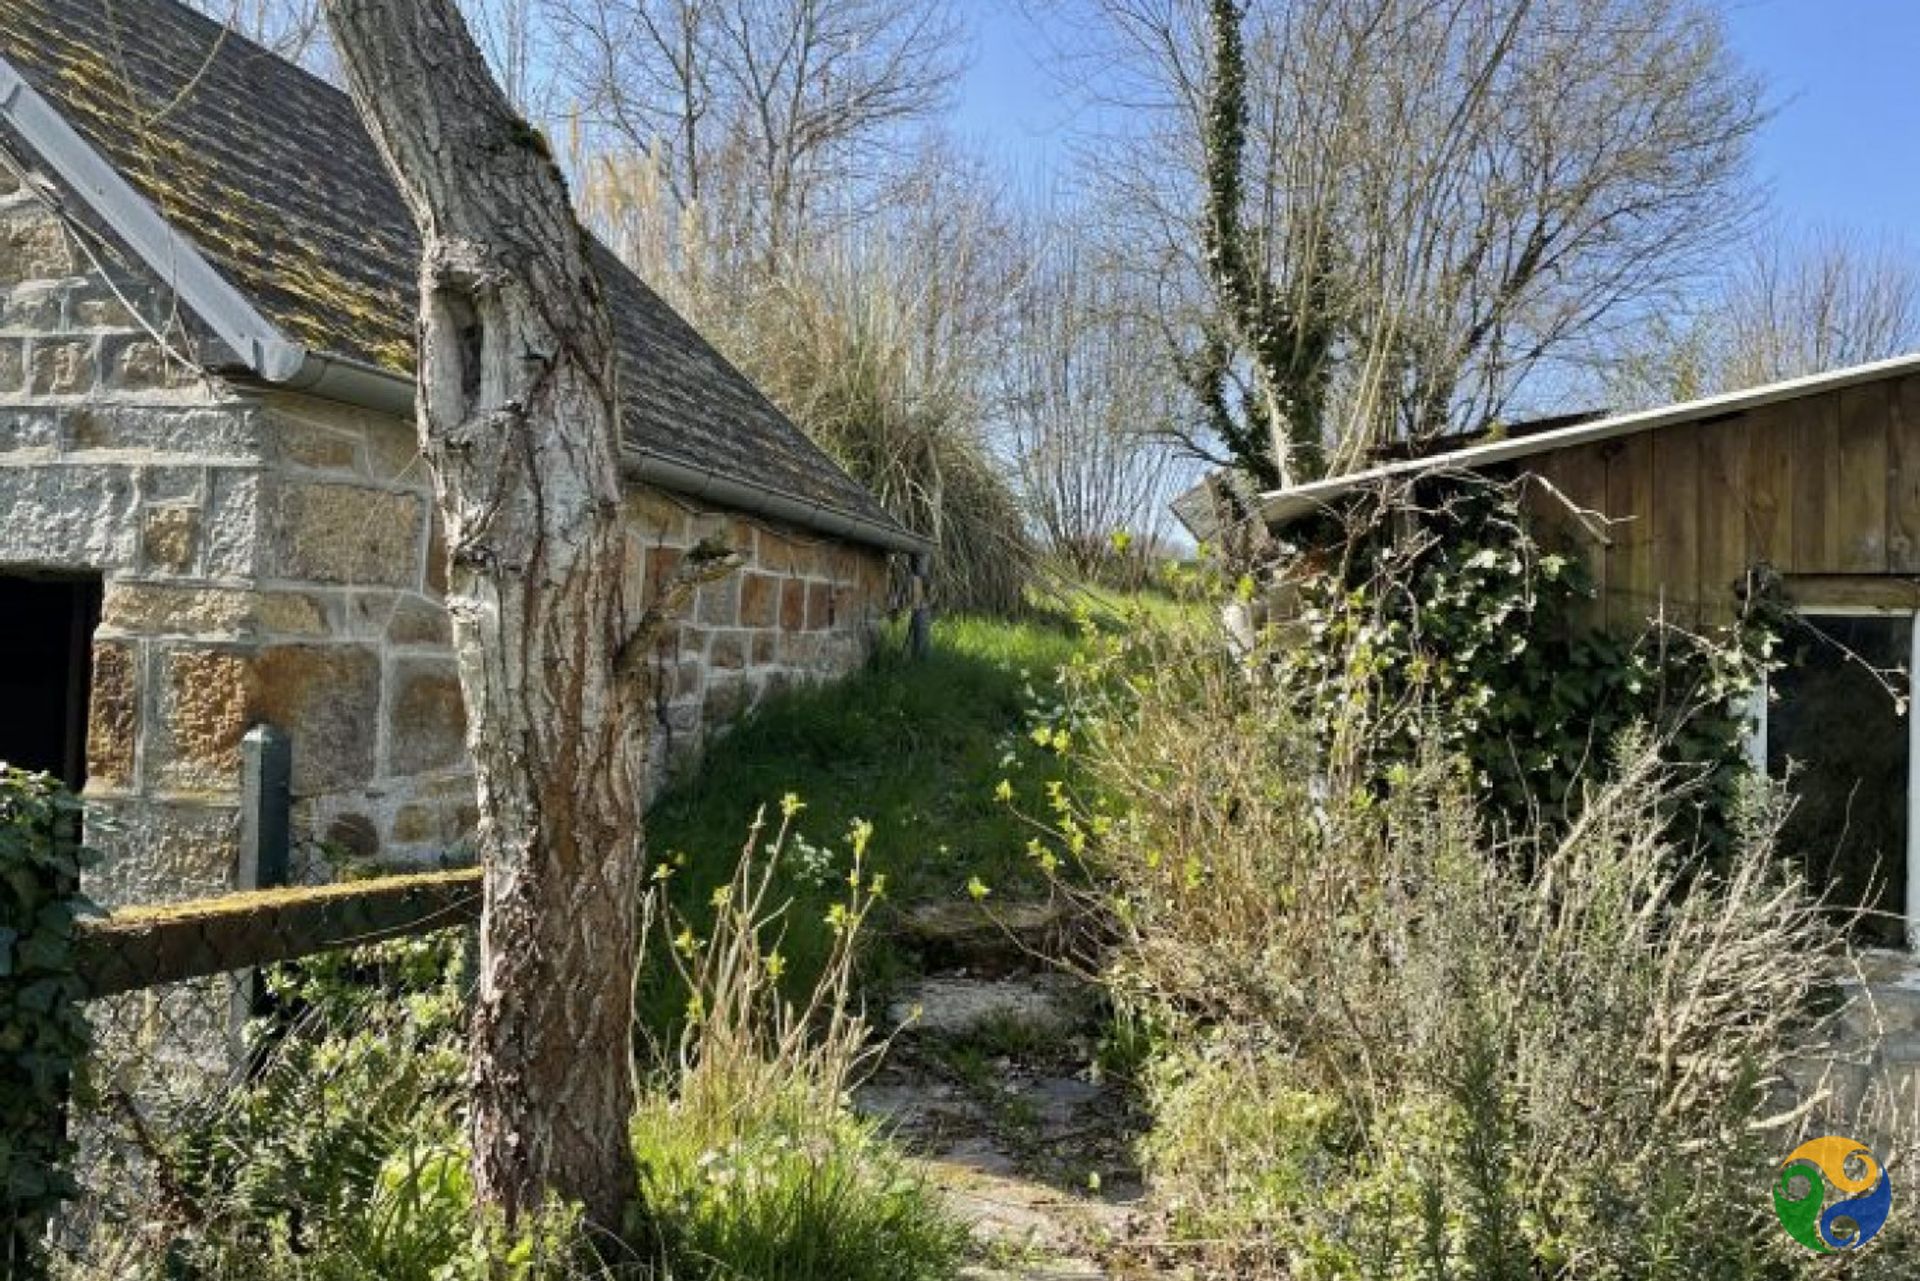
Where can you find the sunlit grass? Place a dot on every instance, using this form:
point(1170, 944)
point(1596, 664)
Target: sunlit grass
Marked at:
point(916, 747)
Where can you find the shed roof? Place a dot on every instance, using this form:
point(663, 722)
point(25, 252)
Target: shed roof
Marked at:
point(1283, 506)
point(254, 189)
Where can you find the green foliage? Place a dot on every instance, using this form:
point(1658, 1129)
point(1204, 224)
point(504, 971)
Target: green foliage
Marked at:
point(1457, 634)
point(790, 1192)
point(751, 1161)
point(1288, 340)
point(43, 1035)
point(340, 1155)
point(1397, 1034)
point(915, 746)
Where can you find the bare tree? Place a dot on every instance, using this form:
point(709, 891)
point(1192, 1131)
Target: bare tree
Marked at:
point(773, 113)
point(1431, 201)
point(1799, 304)
point(509, 32)
point(518, 419)
point(1793, 303)
point(291, 28)
point(1085, 403)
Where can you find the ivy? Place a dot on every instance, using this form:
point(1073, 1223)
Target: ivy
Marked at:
point(43, 1034)
point(1445, 626)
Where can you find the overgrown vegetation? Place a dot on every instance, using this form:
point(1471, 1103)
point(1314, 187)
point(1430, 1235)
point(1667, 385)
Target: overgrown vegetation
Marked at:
point(1434, 622)
point(915, 746)
point(752, 1163)
point(43, 1035)
point(1392, 1035)
point(340, 1152)
point(337, 1153)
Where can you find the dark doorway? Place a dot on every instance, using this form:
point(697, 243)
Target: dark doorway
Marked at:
point(46, 649)
point(1840, 719)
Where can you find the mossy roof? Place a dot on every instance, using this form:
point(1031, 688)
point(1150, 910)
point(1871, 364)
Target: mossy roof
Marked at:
point(269, 171)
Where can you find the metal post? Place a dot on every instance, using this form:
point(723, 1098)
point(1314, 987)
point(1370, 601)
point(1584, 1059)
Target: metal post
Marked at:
point(266, 845)
point(920, 625)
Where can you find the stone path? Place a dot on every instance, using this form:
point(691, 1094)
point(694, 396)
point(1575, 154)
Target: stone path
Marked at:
point(992, 1079)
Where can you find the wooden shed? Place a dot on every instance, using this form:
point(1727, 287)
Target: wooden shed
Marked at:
point(1816, 479)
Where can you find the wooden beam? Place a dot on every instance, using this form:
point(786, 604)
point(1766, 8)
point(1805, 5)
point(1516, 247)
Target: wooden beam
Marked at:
point(1853, 591)
point(141, 946)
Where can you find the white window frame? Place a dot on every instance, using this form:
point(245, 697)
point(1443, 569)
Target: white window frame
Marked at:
point(1757, 737)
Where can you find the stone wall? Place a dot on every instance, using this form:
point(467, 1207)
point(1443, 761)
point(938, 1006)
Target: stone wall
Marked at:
point(275, 557)
point(802, 607)
point(355, 655)
point(117, 461)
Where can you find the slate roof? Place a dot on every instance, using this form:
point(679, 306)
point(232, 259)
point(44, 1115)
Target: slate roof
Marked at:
point(269, 172)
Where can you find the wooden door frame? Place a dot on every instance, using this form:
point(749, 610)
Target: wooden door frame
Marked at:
point(1757, 738)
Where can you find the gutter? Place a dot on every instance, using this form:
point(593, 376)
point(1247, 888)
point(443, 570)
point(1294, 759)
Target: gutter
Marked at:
point(355, 382)
point(690, 481)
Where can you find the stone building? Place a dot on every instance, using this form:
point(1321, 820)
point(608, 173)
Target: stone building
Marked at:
point(214, 512)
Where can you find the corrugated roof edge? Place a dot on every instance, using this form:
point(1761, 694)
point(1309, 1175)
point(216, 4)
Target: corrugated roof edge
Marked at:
point(1281, 507)
point(266, 353)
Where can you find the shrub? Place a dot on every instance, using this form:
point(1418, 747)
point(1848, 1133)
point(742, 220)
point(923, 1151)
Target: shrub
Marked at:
point(1404, 1041)
point(751, 1160)
point(1439, 623)
point(43, 1035)
point(339, 1154)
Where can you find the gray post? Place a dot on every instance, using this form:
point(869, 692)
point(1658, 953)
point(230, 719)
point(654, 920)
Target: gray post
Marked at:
point(266, 843)
point(266, 809)
point(920, 624)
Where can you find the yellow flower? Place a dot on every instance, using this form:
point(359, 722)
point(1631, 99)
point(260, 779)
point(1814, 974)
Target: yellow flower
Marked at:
point(791, 804)
point(1004, 792)
point(978, 889)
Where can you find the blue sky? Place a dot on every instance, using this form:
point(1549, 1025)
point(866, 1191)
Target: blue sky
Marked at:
point(1844, 75)
point(1844, 147)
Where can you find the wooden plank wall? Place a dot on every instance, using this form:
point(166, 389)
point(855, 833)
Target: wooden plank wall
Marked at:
point(1826, 485)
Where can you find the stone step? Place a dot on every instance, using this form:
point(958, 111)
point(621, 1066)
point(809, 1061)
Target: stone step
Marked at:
point(960, 1005)
point(1046, 1228)
point(984, 938)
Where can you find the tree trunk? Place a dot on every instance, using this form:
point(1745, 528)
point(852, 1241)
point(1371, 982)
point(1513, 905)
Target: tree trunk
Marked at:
point(519, 421)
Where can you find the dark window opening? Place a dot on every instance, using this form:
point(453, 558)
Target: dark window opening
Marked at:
point(46, 651)
point(1839, 718)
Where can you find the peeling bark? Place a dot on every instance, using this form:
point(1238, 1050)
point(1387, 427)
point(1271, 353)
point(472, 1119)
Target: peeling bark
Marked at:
point(519, 421)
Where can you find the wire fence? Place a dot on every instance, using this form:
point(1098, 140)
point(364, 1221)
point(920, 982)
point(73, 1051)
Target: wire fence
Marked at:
point(219, 1030)
point(209, 1093)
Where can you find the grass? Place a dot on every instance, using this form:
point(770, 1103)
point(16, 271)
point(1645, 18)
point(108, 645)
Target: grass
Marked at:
point(792, 1198)
point(917, 748)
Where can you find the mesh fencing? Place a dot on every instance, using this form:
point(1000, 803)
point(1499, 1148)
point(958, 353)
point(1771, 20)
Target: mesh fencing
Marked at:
point(241, 1048)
